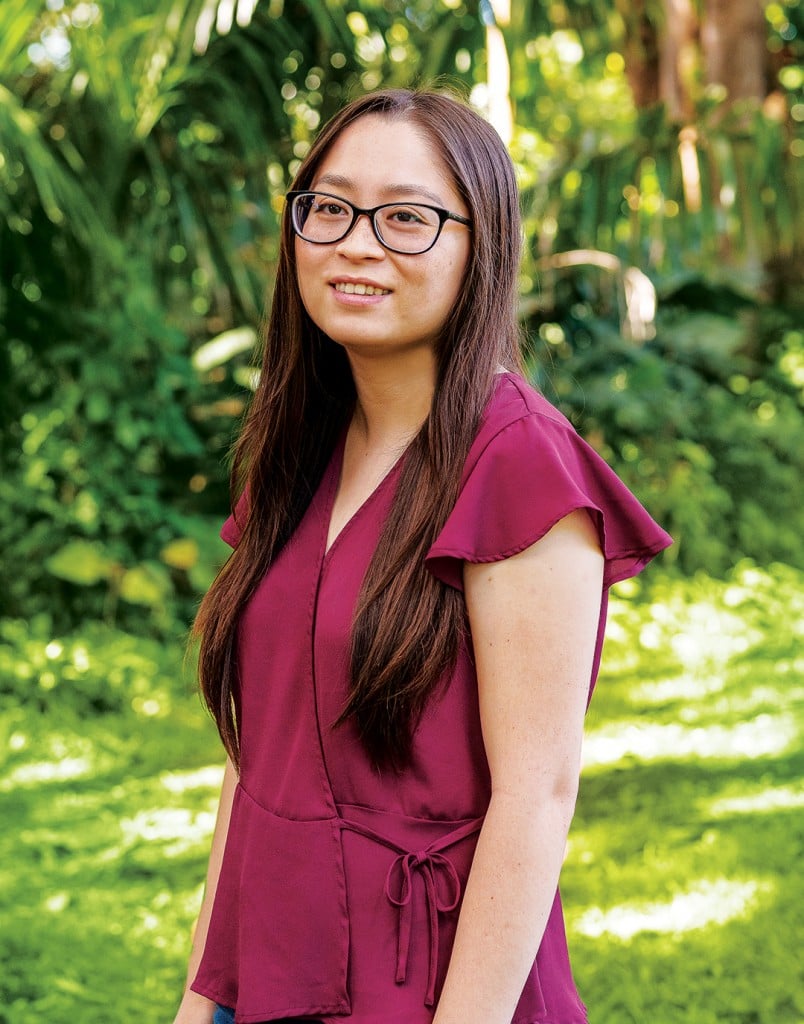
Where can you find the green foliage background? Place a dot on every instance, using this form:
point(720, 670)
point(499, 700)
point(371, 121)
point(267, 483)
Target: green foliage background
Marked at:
point(142, 168)
point(144, 151)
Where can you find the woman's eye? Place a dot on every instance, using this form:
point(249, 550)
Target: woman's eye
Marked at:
point(405, 216)
point(330, 209)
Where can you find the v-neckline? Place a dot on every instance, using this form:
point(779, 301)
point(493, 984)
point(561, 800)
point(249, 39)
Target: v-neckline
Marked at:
point(333, 483)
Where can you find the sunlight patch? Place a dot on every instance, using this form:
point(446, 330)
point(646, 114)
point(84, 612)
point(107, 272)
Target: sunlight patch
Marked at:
point(179, 782)
point(710, 634)
point(57, 902)
point(744, 704)
point(686, 687)
point(778, 798)
point(707, 903)
point(48, 771)
point(178, 827)
point(764, 736)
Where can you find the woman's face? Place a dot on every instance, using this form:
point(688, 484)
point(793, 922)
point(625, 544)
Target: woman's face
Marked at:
point(381, 160)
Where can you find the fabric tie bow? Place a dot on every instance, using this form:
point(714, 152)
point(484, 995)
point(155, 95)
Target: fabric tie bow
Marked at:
point(442, 889)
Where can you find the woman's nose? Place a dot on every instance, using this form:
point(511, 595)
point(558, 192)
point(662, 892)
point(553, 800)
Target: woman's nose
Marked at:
point(361, 239)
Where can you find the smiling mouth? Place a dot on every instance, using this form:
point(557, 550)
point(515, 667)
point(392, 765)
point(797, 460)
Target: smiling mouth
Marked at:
point(360, 289)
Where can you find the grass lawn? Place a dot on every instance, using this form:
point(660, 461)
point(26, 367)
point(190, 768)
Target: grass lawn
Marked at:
point(683, 879)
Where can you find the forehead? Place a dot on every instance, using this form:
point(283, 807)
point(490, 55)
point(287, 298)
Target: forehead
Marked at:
point(377, 155)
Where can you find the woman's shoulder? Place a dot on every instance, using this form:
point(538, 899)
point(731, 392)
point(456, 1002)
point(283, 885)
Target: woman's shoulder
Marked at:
point(513, 397)
point(527, 469)
point(512, 400)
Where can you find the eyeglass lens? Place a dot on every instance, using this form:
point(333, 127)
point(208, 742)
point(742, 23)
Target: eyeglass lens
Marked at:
point(406, 227)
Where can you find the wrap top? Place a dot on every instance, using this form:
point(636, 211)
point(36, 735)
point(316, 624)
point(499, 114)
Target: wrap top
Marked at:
point(341, 885)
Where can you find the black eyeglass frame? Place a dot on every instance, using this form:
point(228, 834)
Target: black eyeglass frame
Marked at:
point(357, 212)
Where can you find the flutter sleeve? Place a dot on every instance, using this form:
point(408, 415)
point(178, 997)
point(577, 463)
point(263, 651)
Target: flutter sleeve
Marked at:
point(521, 481)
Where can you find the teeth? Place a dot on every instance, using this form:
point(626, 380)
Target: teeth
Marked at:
point(360, 289)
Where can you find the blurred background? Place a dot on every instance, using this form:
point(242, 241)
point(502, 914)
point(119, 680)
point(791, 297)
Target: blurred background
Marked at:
point(145, 147)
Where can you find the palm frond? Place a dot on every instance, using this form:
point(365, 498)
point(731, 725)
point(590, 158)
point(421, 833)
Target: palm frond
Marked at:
point(31, 160)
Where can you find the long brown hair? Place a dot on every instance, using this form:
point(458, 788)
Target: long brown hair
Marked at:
point(408, 625)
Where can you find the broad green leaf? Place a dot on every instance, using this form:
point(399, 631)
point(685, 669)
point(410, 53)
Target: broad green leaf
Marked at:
point(148, 584)
point(81, 562)
point(223, 347)
point(181, 553)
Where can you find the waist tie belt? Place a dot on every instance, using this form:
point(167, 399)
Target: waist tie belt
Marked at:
point(442, 890)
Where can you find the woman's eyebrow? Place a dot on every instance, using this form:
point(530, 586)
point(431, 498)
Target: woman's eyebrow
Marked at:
point(340, 181)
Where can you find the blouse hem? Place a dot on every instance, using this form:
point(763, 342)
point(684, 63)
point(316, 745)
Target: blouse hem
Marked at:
point(336, 1012)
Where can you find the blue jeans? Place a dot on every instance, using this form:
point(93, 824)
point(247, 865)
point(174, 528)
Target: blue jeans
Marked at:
point(223, 1015)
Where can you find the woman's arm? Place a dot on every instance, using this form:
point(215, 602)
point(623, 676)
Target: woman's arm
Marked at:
point(534, 621)
point(194, 1008)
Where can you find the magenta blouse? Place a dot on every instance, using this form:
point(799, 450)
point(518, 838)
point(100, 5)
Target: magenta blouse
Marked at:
point(341, 885)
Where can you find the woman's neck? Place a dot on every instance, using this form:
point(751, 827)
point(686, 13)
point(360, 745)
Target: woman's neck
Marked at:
point(393, 399)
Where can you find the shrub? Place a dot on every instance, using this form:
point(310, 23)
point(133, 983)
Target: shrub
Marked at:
point(704, 422)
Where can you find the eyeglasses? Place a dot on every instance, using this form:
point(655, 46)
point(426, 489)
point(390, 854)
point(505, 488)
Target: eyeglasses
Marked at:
point(410, 228)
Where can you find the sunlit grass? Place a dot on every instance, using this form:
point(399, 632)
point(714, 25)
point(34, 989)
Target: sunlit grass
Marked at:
point(682, 883)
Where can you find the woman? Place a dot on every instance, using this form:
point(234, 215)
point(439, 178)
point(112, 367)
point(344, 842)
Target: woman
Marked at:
point(400, 651)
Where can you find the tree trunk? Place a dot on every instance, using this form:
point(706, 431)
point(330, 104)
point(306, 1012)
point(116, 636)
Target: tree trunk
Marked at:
point(735, 54)
point(678, 60)
point(661, 53)
point(641, 52)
